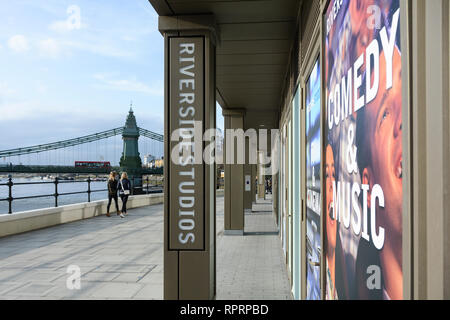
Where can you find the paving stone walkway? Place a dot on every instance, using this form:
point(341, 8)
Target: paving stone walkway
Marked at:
point(118, 259)
point(252, 267)
point(123, 259)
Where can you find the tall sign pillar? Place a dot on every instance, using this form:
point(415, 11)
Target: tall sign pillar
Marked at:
point(189, 190)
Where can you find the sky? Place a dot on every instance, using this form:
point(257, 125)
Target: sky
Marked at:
point(72, 67)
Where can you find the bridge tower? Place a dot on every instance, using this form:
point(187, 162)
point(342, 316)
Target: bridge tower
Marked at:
point(130, 161)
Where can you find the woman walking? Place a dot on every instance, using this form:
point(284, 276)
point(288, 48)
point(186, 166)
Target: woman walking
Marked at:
point(112, 194)
point(124, 191)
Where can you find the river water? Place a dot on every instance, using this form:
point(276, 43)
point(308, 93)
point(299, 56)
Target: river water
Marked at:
point(48, 189)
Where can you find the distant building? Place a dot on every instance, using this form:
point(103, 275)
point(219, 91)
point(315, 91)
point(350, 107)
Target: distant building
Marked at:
point(156, 163)
point(148, 159)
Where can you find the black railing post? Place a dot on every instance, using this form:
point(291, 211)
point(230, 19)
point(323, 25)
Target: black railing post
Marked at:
point(10, 198)
point(56, 192)
point(89, 188)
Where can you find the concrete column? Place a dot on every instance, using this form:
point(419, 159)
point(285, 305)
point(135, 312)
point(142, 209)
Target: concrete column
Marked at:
point(234, 176)
point(436, 112)
point(254, 175)
point(189, 189)
point(275, 195)
point(261, 177)
point(249, 175)
point(426, 136)
point(247, 186)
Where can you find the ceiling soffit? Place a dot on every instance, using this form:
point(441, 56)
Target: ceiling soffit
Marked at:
point(253, 54)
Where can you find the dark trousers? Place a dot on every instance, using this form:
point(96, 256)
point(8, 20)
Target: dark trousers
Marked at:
point(110, 197)
point(124, 202)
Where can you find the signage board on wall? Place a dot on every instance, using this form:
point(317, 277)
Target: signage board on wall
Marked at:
point(313, 229)
point(186, 177)
point(363, 155)
point(248, 185)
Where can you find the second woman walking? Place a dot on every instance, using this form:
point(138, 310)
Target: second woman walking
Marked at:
point(124, 191)
point(112, 194)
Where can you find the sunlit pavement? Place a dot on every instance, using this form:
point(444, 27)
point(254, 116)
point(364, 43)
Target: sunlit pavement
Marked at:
point(251, 267)
point(123, 259)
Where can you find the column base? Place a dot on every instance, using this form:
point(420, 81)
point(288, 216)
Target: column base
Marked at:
point(233, 232)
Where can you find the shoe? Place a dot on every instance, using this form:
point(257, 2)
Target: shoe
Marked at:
point(119, 213)
point(122, 216)
point(108, 215)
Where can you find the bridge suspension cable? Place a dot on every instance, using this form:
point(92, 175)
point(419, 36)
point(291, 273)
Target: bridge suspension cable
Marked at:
point(151, 135)
point(76, 141)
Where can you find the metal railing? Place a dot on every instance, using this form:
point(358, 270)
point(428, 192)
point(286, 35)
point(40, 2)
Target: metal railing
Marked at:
point(156, 187)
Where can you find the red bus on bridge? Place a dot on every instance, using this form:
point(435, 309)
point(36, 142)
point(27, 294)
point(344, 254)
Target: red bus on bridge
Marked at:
point(93, 164)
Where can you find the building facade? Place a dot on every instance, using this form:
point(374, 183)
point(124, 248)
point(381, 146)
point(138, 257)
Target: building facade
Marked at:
point(358, 94)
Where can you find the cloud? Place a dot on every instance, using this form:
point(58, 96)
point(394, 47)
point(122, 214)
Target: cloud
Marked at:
point(50, 122)
point(60, 26)
point(19, 110)
point(41, 88)
point(5, 90)
point(131, 85)
point(128, 38)
point(49, 48)
point(64, 26)
point(18, 43)
point(35, 111)
point(103, 49)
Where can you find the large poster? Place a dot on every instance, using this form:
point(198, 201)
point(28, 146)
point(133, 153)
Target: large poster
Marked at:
point(363, 155)
point(313, 229)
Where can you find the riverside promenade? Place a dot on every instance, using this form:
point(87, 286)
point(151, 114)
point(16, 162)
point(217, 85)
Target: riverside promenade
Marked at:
point(123, 259)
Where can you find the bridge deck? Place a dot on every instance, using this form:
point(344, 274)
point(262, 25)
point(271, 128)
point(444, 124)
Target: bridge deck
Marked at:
point(123, 259)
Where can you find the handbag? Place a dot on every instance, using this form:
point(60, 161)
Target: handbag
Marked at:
point(125, 192)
